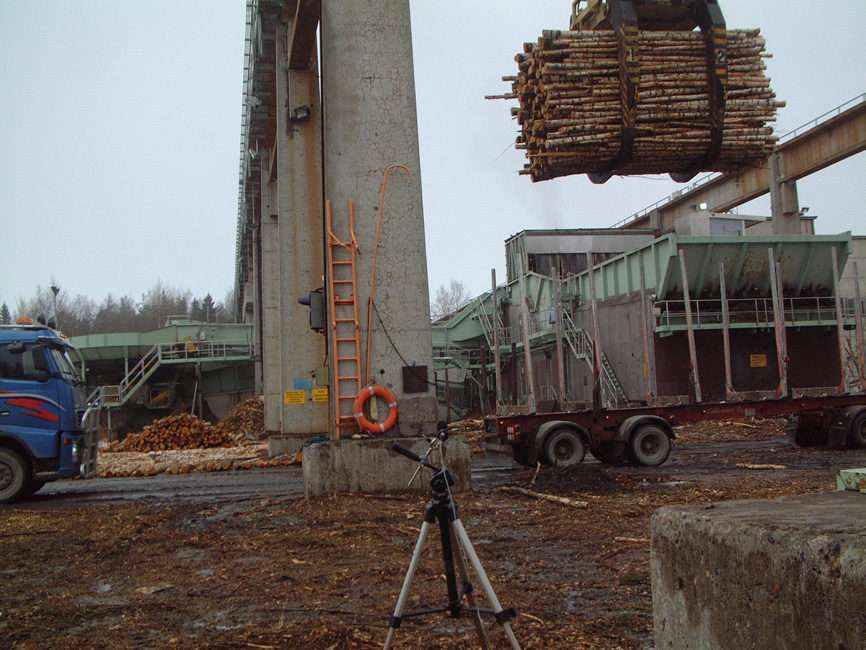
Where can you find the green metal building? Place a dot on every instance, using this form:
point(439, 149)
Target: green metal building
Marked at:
point(203, 368)
point(762, 318)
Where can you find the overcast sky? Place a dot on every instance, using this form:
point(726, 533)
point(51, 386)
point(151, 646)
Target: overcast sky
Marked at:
point(120, 134)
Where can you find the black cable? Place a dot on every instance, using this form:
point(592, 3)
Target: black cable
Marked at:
point(405, 363)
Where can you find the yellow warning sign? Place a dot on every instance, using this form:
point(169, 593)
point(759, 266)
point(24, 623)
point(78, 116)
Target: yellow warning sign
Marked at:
point(296, 397)
point(320, 394)
point(758, 360)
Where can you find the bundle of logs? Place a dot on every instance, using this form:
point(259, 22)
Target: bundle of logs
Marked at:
point(570, 111)
point(181, 431)
point(246, 419)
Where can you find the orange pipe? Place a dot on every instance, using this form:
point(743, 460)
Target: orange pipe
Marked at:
point(375, 260)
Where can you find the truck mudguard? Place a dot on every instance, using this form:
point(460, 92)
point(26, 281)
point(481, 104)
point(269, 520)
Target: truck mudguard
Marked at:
point(625, 429)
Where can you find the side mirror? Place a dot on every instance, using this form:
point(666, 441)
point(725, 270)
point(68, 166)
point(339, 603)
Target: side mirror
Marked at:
point(40, 363)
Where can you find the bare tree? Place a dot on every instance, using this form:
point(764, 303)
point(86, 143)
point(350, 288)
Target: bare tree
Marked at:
point(449, 299)
point(161, 301)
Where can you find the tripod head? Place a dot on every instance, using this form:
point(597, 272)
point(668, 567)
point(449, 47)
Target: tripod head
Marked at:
point(441, 479)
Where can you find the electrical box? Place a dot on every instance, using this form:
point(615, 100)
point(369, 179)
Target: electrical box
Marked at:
point(315, 300)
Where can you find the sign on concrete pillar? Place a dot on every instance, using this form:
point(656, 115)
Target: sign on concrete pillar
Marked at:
point(370, 123)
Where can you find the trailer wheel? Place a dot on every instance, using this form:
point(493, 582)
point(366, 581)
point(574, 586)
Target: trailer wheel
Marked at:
point(649, 446)
point(610, 453)
point(524, 455)
point(807, 430)
point(563, 448)
point(14, 476)
point(857, 435)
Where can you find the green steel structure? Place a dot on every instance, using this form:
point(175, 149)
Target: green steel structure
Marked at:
point(780, 301)
point(203, 367)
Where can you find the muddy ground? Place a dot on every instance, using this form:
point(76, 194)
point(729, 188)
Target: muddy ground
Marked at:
point(243, 571)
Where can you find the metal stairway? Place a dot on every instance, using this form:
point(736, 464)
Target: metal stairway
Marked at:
point(581, 344)
point(346, 337)
point(487, 323)
point(115, 396)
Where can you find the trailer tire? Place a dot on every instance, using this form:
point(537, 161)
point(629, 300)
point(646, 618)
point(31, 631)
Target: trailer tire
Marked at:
point(649, 446)
point(857, 435)
point(807, 430)
point(610, 453)
point(14, 476)
point(524, 455)
point(563, 448)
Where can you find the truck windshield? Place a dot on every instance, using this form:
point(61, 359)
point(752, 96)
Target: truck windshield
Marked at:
point(64, 365)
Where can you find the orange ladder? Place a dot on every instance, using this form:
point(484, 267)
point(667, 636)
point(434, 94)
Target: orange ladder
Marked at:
point(345, 333)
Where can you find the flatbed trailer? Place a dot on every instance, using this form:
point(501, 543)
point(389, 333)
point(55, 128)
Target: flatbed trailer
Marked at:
point(642, 435)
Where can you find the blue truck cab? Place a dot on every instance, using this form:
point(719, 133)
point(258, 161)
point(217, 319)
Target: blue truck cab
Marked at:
point(47, 430)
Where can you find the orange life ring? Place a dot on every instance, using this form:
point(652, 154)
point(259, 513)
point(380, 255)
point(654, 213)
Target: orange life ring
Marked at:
point(361, 400)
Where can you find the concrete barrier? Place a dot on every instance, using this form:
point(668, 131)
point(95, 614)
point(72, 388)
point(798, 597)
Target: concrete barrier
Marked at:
point(370, 465)
point(285, 444)
point(787, 573)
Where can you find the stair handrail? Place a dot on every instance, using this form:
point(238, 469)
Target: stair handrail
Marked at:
point(582, 345)
point(120, 393)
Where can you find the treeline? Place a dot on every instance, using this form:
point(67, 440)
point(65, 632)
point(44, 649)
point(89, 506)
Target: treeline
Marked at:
point(78, 315)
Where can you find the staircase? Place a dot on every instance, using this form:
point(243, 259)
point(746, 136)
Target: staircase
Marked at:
point(346, 338)
point(581, 344)
point(487, 323)
point(115, 396)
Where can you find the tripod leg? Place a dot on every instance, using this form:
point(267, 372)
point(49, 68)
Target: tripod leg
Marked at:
point(482, 577)
point(470, 597)
point(396, 619)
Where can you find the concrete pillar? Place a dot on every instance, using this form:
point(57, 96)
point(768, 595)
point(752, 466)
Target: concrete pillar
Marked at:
point(301, 237)
point(270, 305)
point(784, 201)
point(370, 123)
point(254, 287)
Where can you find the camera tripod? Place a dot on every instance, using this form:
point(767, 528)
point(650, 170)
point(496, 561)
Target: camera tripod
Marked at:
point(455, 544)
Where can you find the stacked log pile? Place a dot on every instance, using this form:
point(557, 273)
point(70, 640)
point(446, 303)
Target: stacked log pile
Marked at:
point(182, 443)
point(247, 418)
point(250, 455)
point(181, 431)
point(570, 112)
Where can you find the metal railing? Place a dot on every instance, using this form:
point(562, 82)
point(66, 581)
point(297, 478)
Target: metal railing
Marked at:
point(582, 346)
point(790, 135)
point(851, 103)
point(180, 352)
point(753, 311)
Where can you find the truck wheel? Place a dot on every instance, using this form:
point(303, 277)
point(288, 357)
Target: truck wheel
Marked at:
point(857, 435)
point(649, 446)
point(14, 476)
point(609, 452)
point(563, 448)
point(35, 486)
point(524, 455)
point(807, 430)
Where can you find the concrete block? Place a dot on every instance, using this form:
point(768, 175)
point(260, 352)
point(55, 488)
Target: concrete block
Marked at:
point(787, 573)
point(370, 465)
point(280, 445)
